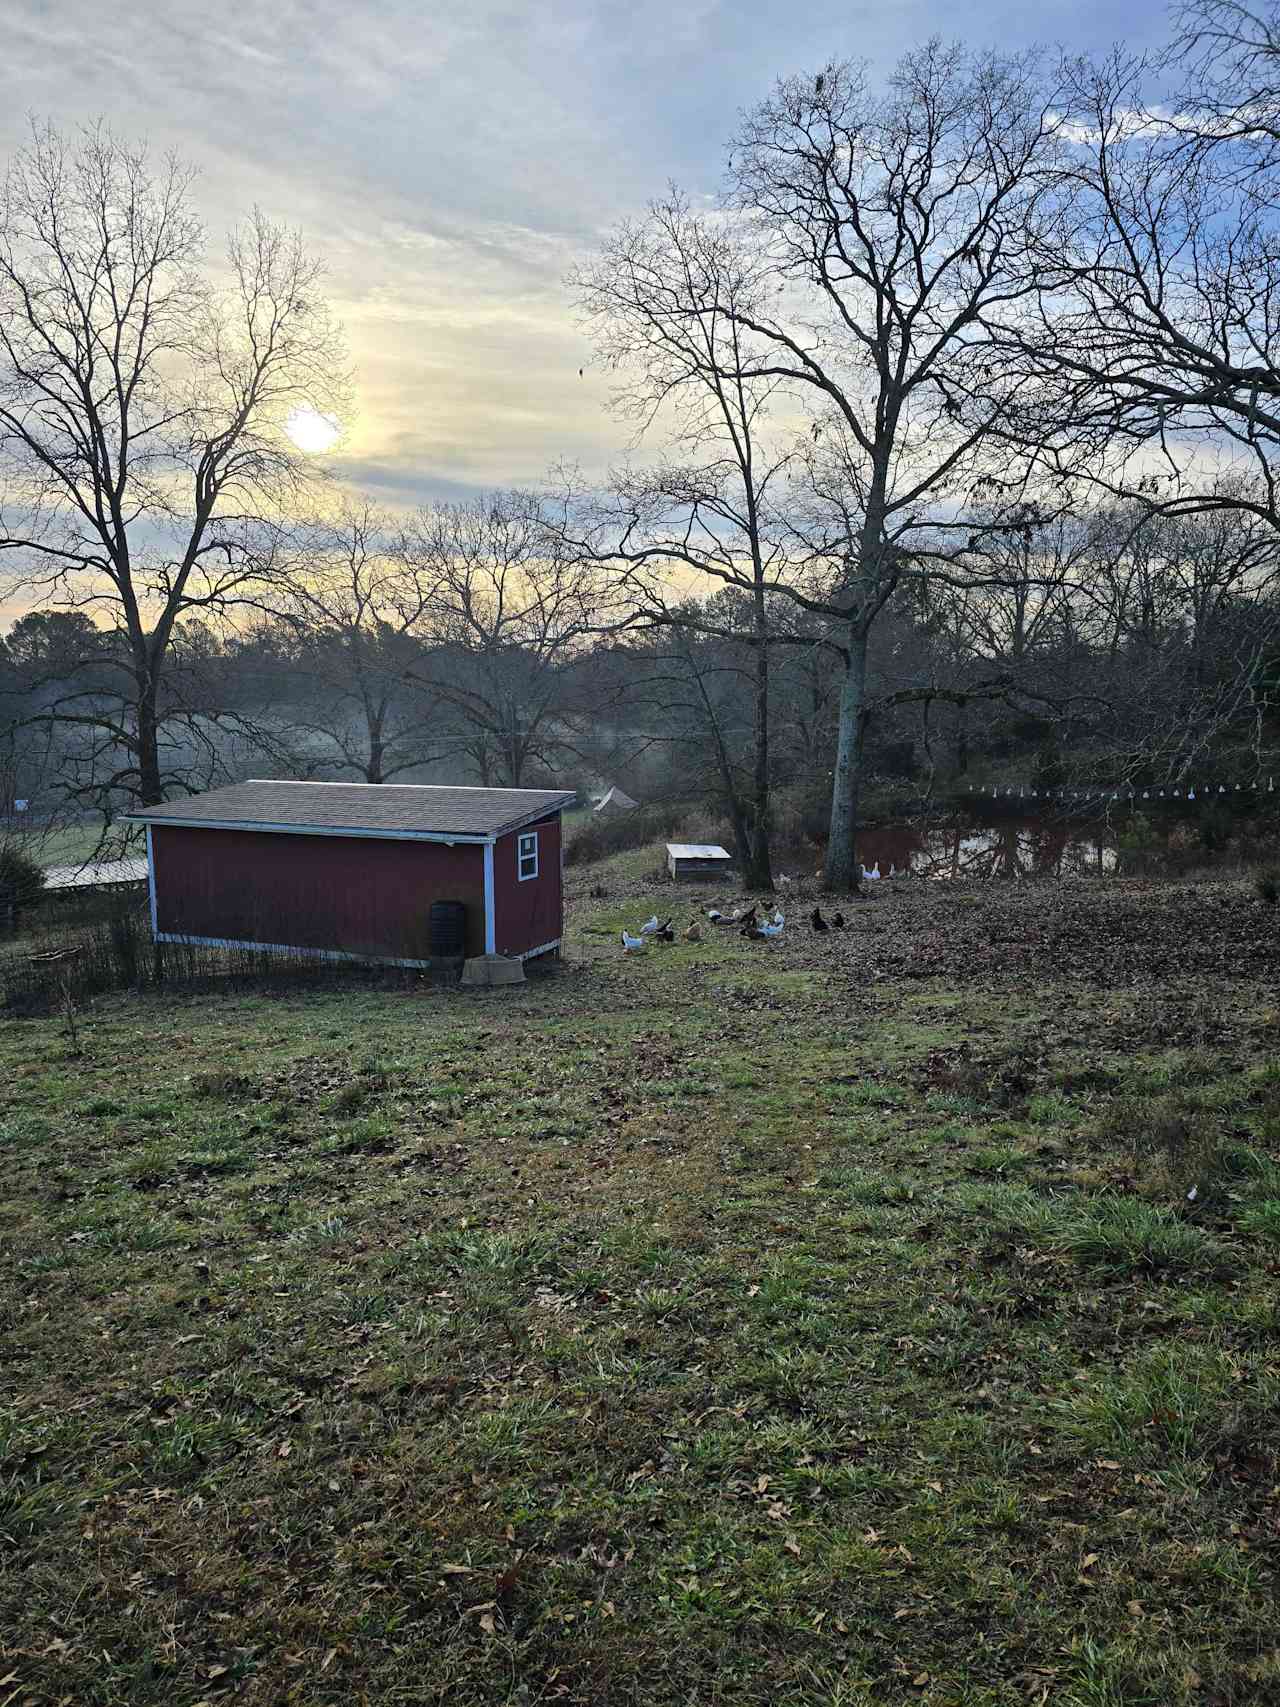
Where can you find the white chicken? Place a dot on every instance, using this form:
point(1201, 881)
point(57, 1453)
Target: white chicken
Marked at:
point(630, 944)
point(649, 926)
point(773, 927)
point(715, 915)
point(872, 876)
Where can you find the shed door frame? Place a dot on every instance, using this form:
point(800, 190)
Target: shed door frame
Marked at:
point(151, 885)
point(490, 915)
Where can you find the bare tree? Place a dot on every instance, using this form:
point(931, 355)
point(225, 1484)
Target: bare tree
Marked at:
point(1179, 614)
point(895, 225)
point(805, 692)
point(883, 229)
point(689, 695)
point(1022, 611)
point(1159, 322)
point(356, 608)
point(1226, 59)
point(508, 617)
point(668, 301)
point(144, 451)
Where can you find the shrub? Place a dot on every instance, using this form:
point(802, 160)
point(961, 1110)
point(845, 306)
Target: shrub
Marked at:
point(21, 879)
point(1139, 842)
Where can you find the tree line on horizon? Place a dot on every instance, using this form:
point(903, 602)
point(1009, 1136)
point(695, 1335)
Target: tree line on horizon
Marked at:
point(955, 444)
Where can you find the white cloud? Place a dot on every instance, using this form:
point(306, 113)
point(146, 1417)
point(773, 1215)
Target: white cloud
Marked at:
point(448, 162)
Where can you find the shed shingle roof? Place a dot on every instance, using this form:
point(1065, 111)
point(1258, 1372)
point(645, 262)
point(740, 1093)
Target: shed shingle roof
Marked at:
point(385, 808)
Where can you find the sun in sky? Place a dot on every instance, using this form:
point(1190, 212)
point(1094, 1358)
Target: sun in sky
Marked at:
point(312, 431)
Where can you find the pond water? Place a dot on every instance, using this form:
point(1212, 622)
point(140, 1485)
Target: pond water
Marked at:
point(1015, 847)
point(1091, 843)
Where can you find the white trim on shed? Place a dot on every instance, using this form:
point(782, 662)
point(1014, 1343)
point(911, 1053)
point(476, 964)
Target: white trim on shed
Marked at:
point(490, 910)
point(151, 885)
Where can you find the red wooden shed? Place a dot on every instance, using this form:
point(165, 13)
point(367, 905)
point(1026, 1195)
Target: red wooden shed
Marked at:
point(350, 869)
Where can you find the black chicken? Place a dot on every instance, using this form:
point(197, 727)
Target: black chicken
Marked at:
point(837, 921)
point(817, 920)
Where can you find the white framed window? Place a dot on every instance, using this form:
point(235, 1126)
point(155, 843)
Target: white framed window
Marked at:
point(527, 856)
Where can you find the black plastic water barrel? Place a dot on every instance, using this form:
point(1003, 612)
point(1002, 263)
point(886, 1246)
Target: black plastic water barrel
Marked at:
point(448, 929)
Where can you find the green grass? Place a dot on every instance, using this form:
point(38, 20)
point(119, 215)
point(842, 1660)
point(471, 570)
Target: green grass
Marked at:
point(678, 1329)
point(67, 846)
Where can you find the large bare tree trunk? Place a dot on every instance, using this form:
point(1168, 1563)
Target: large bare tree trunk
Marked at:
point(842, 871)
point(759, 871)
point(146, 725)
point(150, 787)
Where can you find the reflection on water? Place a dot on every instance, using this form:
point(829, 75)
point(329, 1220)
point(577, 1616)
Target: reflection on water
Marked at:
point(1012, 848)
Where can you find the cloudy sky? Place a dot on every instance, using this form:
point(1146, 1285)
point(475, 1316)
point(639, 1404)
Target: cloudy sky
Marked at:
point(448, 161)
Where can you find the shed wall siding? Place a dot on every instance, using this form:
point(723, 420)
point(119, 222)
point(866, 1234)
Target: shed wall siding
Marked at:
point(528, 915)
point(354, 895)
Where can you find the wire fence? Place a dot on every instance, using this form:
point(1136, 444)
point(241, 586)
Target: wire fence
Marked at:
point(44, 973)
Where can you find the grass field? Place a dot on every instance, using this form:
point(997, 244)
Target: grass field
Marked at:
point(69, 845)
point(821, 1322)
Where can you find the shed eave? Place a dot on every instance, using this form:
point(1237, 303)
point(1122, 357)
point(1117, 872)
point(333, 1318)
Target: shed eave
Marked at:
point(533, 817)
point(451, 837)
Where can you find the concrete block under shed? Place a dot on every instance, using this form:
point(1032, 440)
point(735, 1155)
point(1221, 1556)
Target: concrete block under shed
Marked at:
point(484, 970)
point(696, 860)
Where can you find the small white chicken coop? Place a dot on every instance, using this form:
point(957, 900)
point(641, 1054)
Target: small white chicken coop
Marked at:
point(696, 860)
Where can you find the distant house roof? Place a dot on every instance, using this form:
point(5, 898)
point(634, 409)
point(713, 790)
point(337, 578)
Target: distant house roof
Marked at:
point(405, 810)
point(615, 801)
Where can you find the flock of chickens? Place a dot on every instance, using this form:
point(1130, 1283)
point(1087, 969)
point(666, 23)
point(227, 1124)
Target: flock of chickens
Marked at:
point(747, 919)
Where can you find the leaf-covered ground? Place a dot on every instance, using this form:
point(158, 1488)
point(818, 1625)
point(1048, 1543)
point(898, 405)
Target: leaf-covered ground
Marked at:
point(812, 1322)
